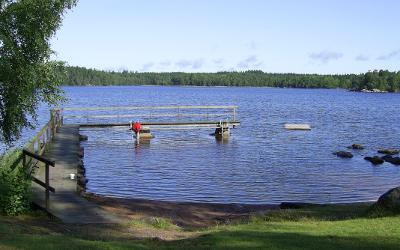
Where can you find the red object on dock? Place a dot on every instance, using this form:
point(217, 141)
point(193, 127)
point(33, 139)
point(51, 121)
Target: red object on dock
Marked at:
point(136, 126)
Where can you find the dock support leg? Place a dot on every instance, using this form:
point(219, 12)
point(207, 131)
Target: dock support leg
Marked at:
point(47, 181)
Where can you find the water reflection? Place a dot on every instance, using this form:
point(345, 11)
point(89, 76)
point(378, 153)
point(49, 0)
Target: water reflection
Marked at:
point(221, 139)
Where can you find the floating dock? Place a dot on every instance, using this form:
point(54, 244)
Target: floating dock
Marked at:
point(297, 126)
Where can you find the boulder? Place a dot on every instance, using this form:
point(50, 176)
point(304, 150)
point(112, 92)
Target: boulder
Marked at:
point(391, 159)
point(81, 152)
point(374, 160)
point(82, 181)
point(388, 151)
point(390, 200)
point(387, 158)
point(356, 146)
point(343, 154)
point(81, 171)
point(83, 137)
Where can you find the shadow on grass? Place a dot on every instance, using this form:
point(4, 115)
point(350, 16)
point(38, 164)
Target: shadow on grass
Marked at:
point(318, 228)
point(278, 240)
point(335, 212)
point(218, 240)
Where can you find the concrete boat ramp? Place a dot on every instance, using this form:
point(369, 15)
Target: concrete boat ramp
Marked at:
point(65, 203)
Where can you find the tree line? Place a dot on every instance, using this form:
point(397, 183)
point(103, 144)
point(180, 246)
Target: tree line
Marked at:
point(382, 79)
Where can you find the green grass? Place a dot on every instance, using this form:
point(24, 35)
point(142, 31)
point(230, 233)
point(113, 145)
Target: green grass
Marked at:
point(155, 222)
point(328, 227)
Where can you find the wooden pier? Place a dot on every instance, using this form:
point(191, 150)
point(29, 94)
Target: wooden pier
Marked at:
point(54, 153)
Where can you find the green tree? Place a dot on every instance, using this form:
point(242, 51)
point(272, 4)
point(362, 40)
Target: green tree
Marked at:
point(27, 76)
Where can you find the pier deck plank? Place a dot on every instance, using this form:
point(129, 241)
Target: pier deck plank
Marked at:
point(65, 203)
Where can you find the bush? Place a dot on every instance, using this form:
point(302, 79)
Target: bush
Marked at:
point(14, 184)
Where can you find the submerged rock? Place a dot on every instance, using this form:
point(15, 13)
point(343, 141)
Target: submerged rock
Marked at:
point(356, 146)
point(343, 154)
point(83, 137)
point(390, 200)
point(388, 151)
point(391, 159)
point(81, 152)
point(374, 160)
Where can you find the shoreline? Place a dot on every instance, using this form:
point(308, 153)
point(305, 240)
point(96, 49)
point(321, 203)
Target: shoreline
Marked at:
point(196, 214)
point(375, 91)
point(184, 214)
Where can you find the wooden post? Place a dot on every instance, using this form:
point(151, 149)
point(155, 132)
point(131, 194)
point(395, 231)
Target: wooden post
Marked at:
point(23, 160)
point(61, 117)
point(47, 181)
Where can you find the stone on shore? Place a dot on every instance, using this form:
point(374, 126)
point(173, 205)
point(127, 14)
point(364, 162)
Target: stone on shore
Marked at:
point(376, 160)
point(343, 154)
point(390, 200)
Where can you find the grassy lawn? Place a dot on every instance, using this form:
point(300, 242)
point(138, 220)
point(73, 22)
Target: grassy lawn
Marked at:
point(328, 227)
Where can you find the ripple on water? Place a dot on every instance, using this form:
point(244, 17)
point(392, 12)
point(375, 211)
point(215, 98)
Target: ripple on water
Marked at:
point(261, 162)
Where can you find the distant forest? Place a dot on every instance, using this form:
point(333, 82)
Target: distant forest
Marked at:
point(383, 80)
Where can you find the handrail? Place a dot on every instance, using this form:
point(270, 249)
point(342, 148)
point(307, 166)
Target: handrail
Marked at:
point(36, 147)
point(38, 157)
point(149, 113)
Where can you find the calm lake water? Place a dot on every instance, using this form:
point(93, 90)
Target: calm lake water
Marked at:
point(261, 162)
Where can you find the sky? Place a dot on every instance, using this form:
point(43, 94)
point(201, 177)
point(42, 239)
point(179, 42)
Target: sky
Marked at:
point(298, 36)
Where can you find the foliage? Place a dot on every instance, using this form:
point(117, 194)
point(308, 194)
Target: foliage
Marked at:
point(156, 222)
point(383, 80)
point(14, 184)
point(27, 76)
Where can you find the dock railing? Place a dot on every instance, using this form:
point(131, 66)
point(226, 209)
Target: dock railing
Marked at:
point(38, 143)
point(32, 153)
point(150, 115)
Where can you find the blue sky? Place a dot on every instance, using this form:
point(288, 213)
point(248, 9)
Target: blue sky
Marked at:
point(303, 36)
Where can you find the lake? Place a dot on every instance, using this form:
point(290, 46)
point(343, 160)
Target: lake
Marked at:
point(261, 162)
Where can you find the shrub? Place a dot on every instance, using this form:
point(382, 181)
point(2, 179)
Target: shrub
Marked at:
point(14, 184)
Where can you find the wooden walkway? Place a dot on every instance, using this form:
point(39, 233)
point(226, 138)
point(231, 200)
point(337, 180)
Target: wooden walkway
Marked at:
point(65, 203)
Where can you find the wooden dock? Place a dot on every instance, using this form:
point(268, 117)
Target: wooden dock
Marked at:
point(199, 124)
point(161, 116)
point(65, 203)
point(53, 154)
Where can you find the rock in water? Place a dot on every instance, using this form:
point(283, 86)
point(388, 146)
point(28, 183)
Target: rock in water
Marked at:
point(83, 137)
point(356, 146)
point(374, 160)
point(343, 154)
point(390, 200)
point(388, 151)
point(391, 159)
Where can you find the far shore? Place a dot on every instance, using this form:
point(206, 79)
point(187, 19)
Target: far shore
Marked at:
point(374, 91)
